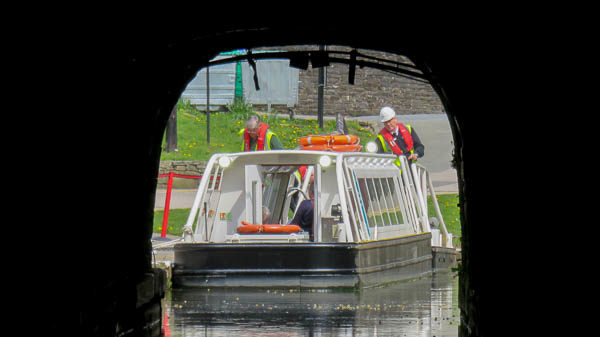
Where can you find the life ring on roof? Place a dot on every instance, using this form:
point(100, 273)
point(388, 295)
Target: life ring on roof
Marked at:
point(335, 148)
point(248, 228)
point(328, 139)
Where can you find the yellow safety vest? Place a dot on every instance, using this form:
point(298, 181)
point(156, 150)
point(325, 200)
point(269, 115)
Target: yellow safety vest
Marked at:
point(269, 134)
point(389, 150)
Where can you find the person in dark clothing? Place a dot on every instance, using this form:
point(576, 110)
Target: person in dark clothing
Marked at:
point(304, 214)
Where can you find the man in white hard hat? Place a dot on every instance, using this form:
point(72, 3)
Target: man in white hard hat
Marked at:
point(398, 138)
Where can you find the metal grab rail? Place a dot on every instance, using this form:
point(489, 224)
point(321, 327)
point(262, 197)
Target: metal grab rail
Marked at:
point(188, 232)
point(423, 185)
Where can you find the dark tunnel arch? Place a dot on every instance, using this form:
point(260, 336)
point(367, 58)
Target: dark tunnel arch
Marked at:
point(145, 72)
point(426, 61)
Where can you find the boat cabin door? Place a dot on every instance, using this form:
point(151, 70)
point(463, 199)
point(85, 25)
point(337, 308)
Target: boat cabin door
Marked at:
point(253, 188)
point(265, 193)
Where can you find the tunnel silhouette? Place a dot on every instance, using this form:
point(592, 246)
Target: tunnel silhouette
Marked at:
point(105, 283)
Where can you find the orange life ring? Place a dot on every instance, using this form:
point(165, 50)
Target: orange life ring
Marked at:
point(247, 228)
point(328, 139)
point(335, 148)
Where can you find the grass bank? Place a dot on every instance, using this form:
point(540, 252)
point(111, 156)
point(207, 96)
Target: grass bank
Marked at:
point(224, 127)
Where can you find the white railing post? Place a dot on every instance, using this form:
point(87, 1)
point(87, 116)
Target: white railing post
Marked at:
point(188, 232)
point(420, 197)
point(339, 171)
point(445, 242)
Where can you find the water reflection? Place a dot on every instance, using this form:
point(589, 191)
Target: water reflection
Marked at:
point(422, 307)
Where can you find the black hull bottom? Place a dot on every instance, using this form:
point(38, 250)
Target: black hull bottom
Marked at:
point(298, 265)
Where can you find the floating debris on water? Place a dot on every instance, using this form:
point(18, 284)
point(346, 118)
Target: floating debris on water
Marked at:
point(426, 306)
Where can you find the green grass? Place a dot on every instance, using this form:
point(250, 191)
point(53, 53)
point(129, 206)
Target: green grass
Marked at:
point(177, 219)
point(448, 206)
point(224, 126)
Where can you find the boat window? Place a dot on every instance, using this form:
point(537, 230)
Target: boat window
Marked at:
point(385, 220)
point(369, 193)
point(274, 192)
point(395, 207)
point(390, 209)
point(381, 201)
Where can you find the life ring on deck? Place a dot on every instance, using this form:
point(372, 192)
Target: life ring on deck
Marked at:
point(248, 228)
point(335, 148)
point(328, 139)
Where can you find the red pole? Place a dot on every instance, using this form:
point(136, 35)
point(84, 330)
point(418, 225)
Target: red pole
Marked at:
point(166, 328)
point(167, 206)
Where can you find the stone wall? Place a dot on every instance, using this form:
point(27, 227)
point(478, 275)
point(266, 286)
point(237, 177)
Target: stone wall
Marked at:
point(184, 167)
point(373, 89)
point(187, 167)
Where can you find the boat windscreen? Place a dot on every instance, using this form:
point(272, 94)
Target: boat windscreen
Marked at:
point(278, 169)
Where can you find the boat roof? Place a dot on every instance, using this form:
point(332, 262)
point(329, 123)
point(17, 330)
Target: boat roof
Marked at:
point(302, 157)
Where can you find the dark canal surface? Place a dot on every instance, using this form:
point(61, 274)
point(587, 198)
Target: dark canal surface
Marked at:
point(423, 307)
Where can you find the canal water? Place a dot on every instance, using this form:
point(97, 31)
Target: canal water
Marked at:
point(426, 306)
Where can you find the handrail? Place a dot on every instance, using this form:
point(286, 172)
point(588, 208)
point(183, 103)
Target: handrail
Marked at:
point(188, 227)
point(170, 175)
point(167, 206)
point(421, 196)
point(426, 185)
point(438, 212)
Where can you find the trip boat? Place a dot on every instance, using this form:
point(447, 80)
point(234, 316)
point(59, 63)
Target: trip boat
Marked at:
point(370, 222)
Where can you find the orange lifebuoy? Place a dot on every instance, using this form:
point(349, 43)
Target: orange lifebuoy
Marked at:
point(336, 148)
point(328, 139)
point(247, 228)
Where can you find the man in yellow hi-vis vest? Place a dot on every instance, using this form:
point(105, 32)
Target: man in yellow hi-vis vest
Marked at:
point(257, 136)
point(397, 138)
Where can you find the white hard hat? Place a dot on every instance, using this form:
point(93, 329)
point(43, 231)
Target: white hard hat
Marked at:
point(386, 113)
